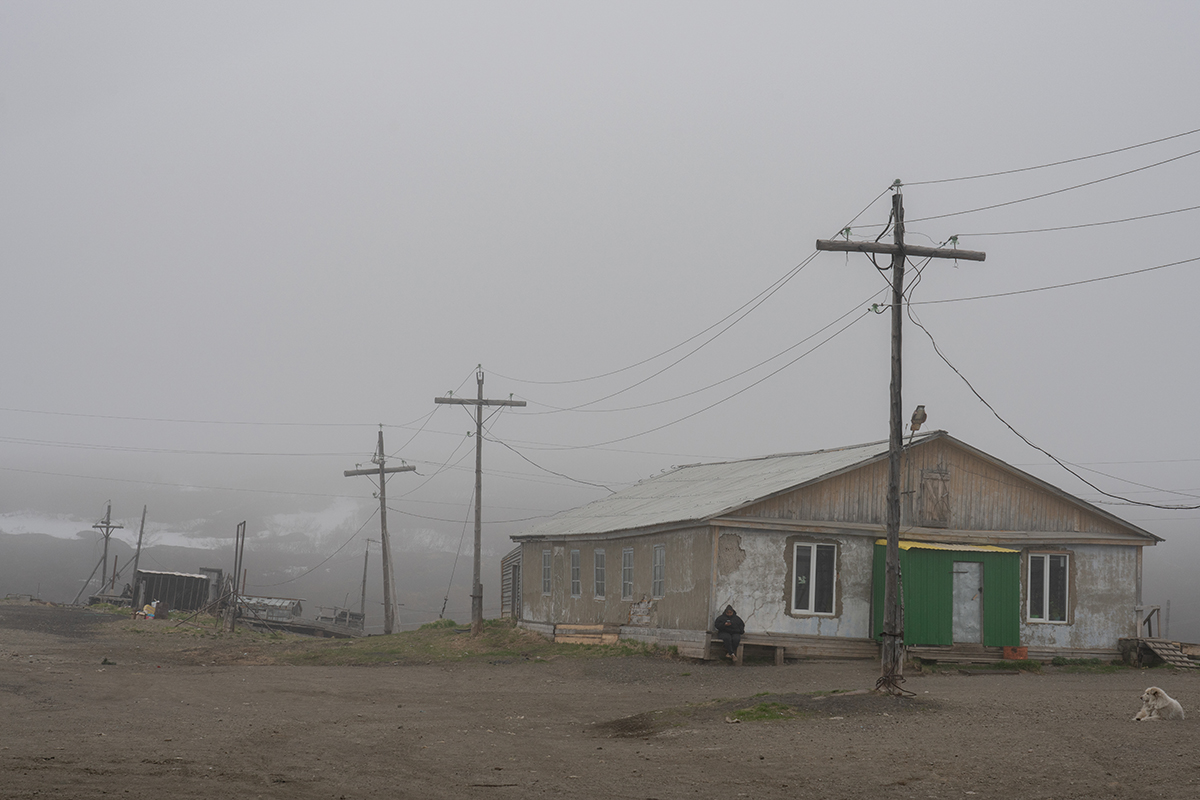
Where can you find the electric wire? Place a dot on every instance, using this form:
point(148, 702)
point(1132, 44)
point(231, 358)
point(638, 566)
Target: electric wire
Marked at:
point(1056, 163)
point(717, 383)
point(327, 559)
point(164, 450)
point(457, 553)
point(1055, 286)
point(198, 421)
point(1057, 191)
point(550, 471)
point(718, 402)
point(755, 301)
point(1082, 225)
point(1025, 439)
point(741, 313)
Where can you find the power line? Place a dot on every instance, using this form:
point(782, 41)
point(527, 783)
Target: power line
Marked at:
point(1083, 225)
point(162, 450)
point(550, 471)
point(717, 383)
point(719, 402)
point(1023, 438)
point(196, 421)
point(1055, 163)
point(1056, 191)
point(1055, 286)
point(326, 561)
point(753, 302)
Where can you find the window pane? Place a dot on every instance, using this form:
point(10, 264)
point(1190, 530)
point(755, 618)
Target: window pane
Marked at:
point(627, 574)
point(659, 585)
point(599, 573)
point(803, 568)
point(1057, 611)
point(823, 580)
point(1037, 587)
point(575, 577)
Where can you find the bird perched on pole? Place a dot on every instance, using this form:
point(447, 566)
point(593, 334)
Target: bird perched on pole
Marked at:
point(918, 418)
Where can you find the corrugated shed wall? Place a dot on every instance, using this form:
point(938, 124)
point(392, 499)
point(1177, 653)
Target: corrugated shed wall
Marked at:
point(928, 578)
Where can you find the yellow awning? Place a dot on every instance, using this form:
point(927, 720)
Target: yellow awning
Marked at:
point(968, 548)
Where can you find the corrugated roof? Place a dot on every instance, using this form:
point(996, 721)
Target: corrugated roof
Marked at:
point(703, 491)
point(269, 602)
point(176, 574)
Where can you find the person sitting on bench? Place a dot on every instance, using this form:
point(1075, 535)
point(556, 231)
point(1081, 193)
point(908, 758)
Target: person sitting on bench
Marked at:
point(730, 629)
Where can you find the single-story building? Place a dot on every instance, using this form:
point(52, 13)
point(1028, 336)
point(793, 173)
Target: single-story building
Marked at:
point(991, 556)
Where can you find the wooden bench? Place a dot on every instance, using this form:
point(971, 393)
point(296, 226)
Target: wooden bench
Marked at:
point(752, 639)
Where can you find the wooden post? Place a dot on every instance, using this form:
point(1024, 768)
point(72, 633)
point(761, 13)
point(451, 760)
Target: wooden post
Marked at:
point(106, 528)
point(479, 403)
point(137, 554)
point(389, 588)
point(362, 607)
point(892, 650)
point(892, 656)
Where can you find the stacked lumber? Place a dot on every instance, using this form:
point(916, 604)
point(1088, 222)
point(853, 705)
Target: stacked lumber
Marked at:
point(586, 634)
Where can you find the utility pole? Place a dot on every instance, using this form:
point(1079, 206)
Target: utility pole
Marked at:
point(362, 607)
point(137, 554)
point(106, 528)
point(892, 652)
point(479, 403)
point(389, 587)
point(234, 602)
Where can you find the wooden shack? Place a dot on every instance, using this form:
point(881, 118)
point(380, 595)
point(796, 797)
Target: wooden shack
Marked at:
point(791, 542)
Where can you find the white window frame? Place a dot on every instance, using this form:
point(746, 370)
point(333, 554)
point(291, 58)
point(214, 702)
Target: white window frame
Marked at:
point(576, 574)
point(627, 573)
point(1044, 611)
point(811, 578)
point(547, 560)
point(599, 565)
point(658, 583)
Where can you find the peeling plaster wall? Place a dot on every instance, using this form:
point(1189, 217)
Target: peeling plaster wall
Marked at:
point(754, 576)
point(1102, 593)
point(684, 605)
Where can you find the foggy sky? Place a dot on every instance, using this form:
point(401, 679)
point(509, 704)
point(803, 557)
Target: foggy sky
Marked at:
point(216, 218)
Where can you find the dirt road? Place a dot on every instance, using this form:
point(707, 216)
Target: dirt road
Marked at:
point(160, 720)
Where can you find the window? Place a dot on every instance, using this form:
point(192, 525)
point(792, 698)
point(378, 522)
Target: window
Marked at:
point(815, 570)
point(627, 573)
point(545, 572)
point(658, 585)
point(599, 569)
point(575, 592)
point(1047, 587)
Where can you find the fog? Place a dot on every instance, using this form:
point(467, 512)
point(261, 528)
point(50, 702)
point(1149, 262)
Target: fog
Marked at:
point(238, 238)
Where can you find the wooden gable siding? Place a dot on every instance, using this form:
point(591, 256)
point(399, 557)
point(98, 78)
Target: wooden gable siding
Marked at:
point(983, 496)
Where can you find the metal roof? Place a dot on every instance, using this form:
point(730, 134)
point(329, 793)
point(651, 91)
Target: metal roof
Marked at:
point(699, 492)
point(702, 491)
point(269, 602)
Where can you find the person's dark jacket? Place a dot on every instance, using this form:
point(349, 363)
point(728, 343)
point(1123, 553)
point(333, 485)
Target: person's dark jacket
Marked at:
point(729, 623)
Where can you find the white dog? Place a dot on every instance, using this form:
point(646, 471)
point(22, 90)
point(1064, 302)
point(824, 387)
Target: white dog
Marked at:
point(1156, 705)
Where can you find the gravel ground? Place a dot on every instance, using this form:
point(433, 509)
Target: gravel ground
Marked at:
point(168, 717)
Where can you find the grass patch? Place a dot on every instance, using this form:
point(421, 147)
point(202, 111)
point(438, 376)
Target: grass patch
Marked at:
point(1092, 666)
point(766, 712)
point(444, 641)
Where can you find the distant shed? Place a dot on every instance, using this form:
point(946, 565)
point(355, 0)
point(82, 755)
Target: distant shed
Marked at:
point(270, 609)
point(180, 591)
